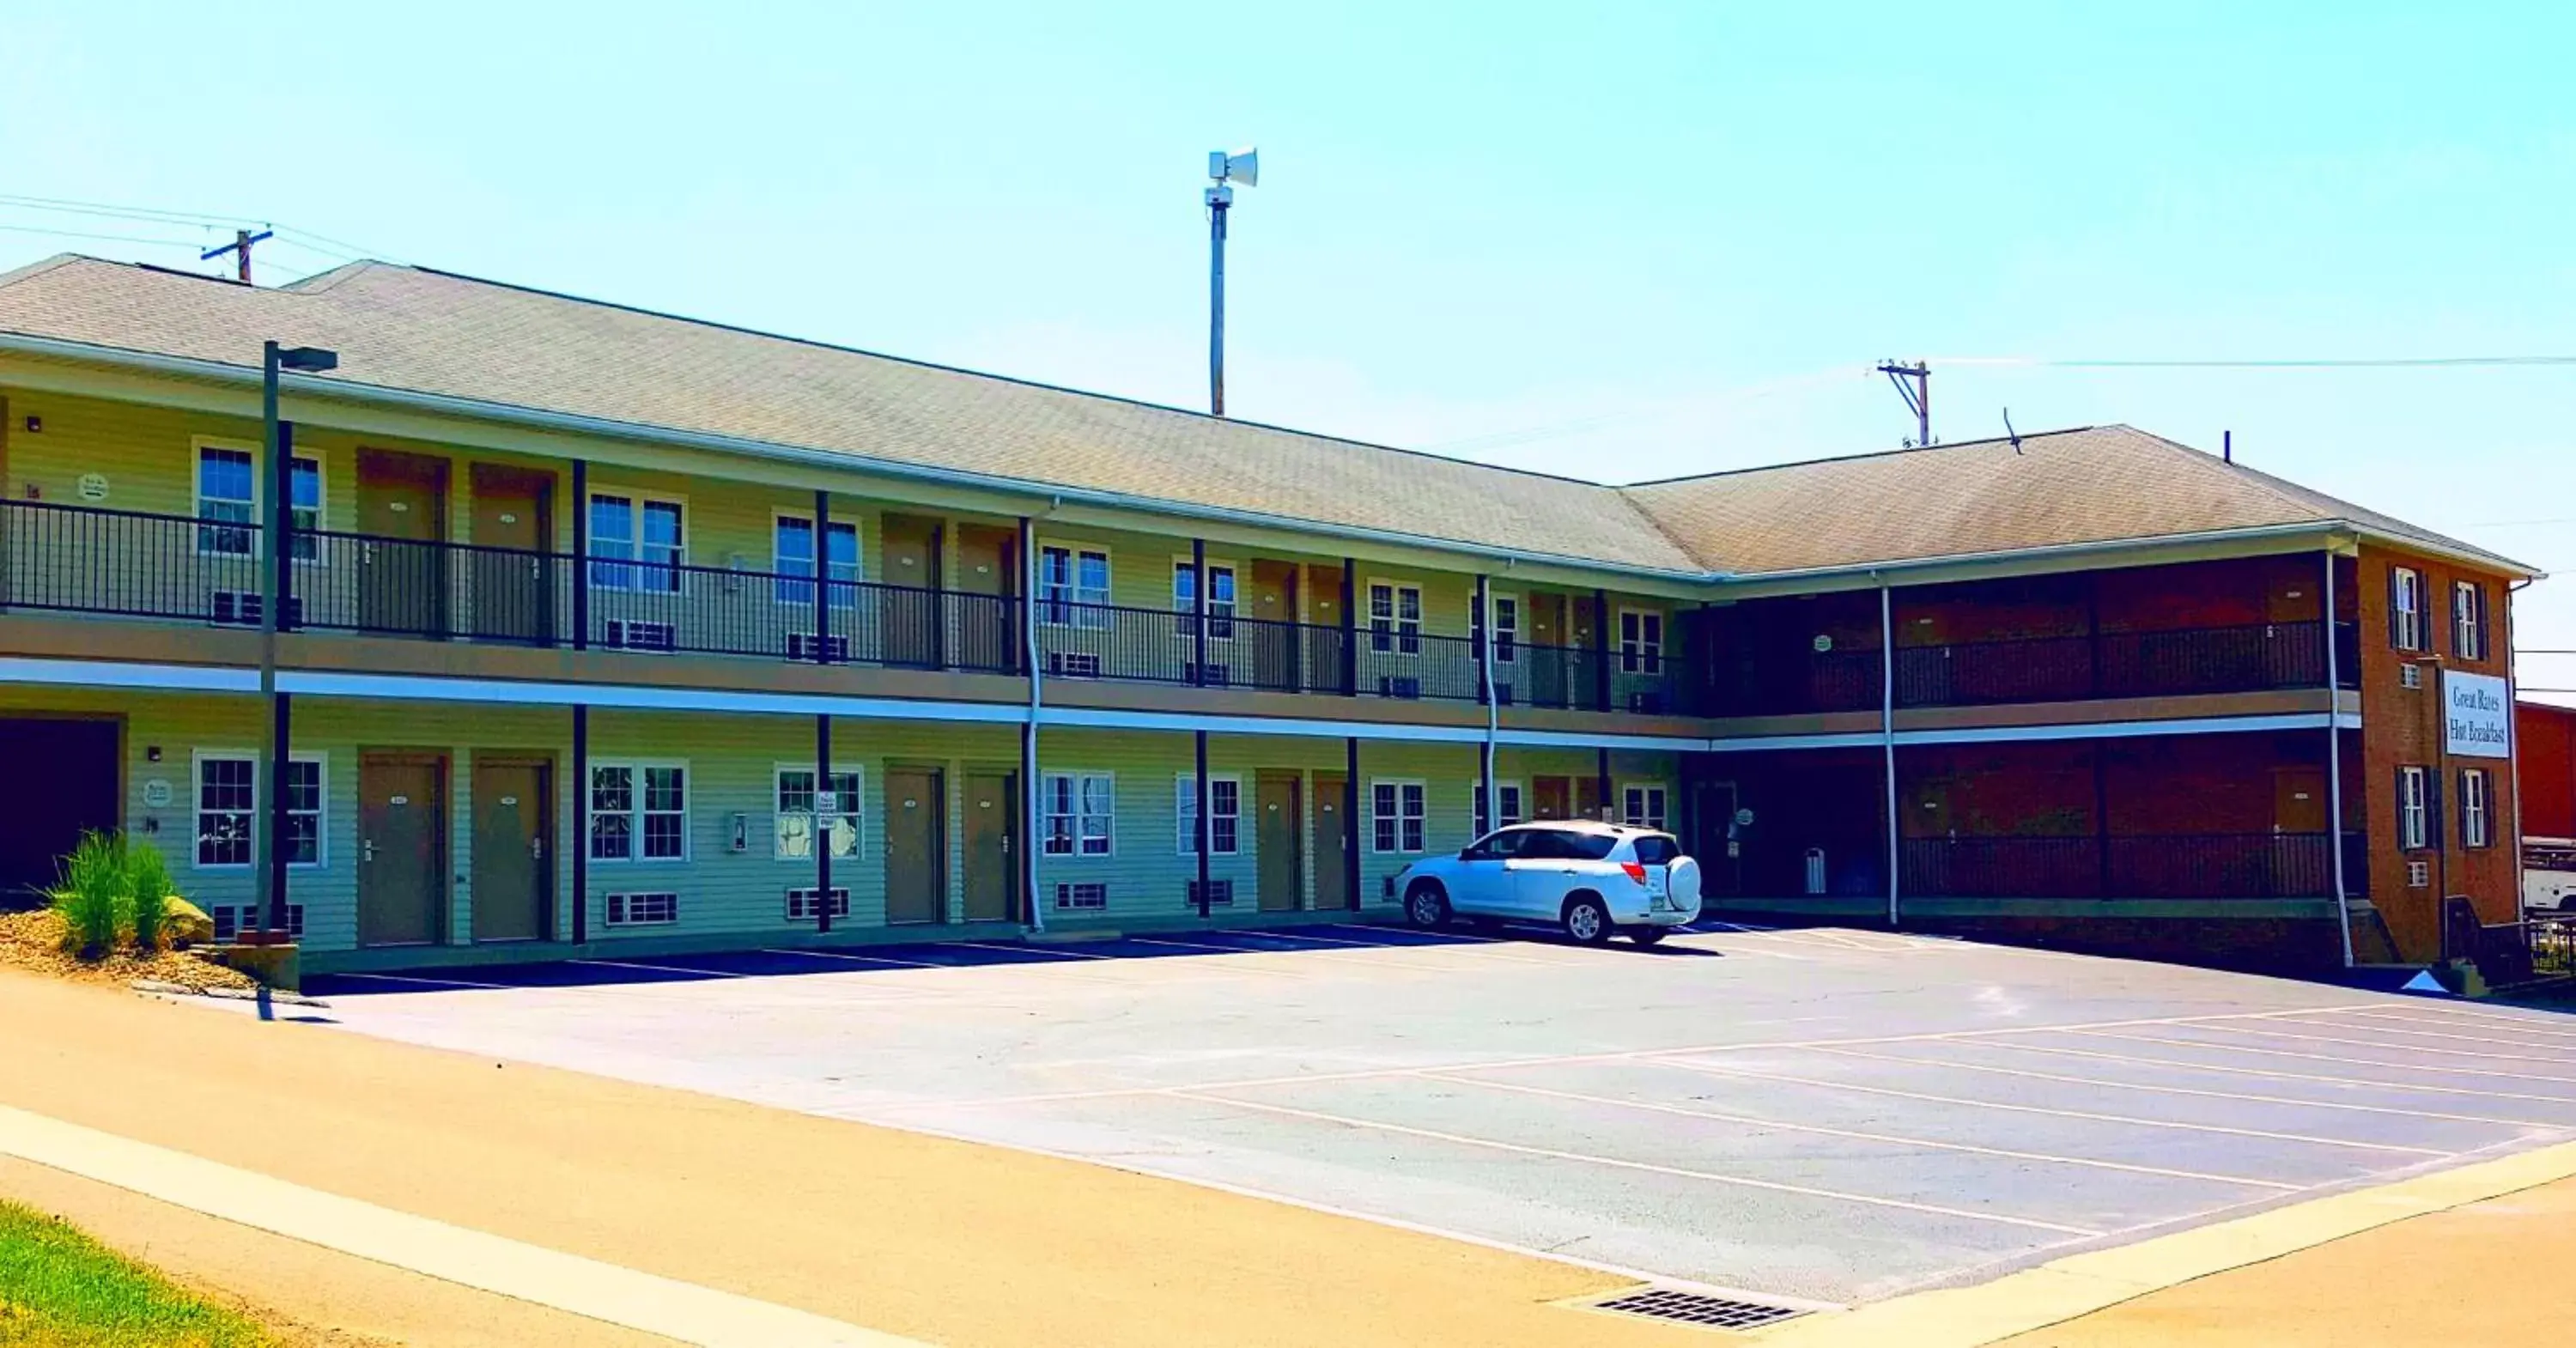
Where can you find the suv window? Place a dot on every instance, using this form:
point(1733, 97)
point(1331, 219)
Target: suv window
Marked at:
point(1656, 849)
point(1501, 845)
point(1572, 846)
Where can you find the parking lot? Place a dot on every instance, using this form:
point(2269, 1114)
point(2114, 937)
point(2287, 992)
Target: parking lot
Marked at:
point(1818, 1116)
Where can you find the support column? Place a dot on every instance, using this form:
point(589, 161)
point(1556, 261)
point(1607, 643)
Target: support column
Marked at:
point(1601, 651)
point(1350, 628)
point(823, 605)
point(2102, 817)
point(281, 557)
point(823, 796)
point(1351, 818)
point(580, 593)
point(1025, 836)
point(280, 724)
point(2334, 764)
point(1029, 783)
point(1199, 614)
point(1601, 782)
point(580, 811)
point(1201, 787)
point(1485, 694)
point(1887, 742)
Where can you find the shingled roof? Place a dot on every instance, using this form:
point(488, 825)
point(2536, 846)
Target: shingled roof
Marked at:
point(427, 332)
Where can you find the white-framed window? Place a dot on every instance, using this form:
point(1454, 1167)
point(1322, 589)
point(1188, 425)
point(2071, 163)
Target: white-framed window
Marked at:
point(1225, 814)
point(2414, 824)
point(1395, 618)
point(230, 920)
point(2477, 808)
point(1644, 807)
point(1641, 641)
point(800, 903)
point(2468, 620)
point(1507, 626)
point(225, 783)
point(793, 811)
point(229, 490)
point(639, 811)
point(2406, 608)
point(637, 542)
point(1073, 585)
point(791, 552)
point(1395, 815)
point(1220, 601)
point(642, 910)
point(1077, 813)
point(1510, 795)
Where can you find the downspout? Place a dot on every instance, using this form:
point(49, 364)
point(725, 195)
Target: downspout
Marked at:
point(2513, 753)
point(2334, 765)
point(1029, 823)
point(1887, 736)
point(1485, 689)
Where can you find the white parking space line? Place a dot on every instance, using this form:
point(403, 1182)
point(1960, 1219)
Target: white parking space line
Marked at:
point(1027, 950)
point(2465, 1023)
point(860, 959)
point(1647, 1167)
point(2277, 1075)
point(2378, 1027)
point(2383, 1044)
point(1268, 971)
point(1754, 1121)
point(2130, 1120)
point(658, 968)
point(2536, 1022)
point(2329, 1057)
point(1510, 951)
point(1367, 957)
point(432, 982)
point(1953, 1064)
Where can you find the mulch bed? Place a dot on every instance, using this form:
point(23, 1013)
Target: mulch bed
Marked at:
point(33, 941)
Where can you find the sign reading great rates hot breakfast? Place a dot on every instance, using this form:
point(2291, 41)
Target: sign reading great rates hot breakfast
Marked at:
point(2477, 715)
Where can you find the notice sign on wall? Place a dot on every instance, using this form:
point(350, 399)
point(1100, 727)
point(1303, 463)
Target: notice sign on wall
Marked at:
point(2477, 713)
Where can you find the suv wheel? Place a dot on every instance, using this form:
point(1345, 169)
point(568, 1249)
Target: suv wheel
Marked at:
point(1587, 921)
point(1426, 904)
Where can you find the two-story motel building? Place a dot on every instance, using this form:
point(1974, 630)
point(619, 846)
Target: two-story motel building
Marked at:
point(555, 676)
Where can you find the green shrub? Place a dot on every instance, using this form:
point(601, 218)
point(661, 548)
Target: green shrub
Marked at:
point(147, 880)
point(93, 894)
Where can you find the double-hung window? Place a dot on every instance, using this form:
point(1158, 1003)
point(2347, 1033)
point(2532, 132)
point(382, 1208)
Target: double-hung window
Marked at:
point(792, 552)
point(1395, 816)
point(1220, 599)
point(228, 801)
point(1073, 586)
point(228, 493)
point(2406, 608)
point(2477, 808)
point(2414, 811)
point(1076, 809)
point(1641, 642)
point(2469, 620)
point(639, 812)
point(1225, 815)
point(1395, 618)
point(1644, 807)
point(796, 811)
point(1506, 638)
point(636, 543)
point(1509, 793)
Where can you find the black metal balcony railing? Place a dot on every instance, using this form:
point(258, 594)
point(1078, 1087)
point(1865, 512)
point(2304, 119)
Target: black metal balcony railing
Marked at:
point(2173, 662)
point(2192, 866)
point(1799, 681)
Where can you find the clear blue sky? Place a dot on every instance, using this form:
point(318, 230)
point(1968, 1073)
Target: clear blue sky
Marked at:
point(1615, 241)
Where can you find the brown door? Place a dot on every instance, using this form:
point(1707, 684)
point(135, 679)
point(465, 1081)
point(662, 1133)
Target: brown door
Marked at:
point(1281, 840)
point(1275, 645)
point(402, 513)
point(1587, 798)
point(2302, 864)
point(988, 574)
point(909, 609)
point(1583, 669)
point(513, 850)
point(1324, 644)
point(1332, 843)
point(510, 574)
point(916, 846)
point(402, 849)
point(1718, 843)
point(992, 846)
point(1551, 798)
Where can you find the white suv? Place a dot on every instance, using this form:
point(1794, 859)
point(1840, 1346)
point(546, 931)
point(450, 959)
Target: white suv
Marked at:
point(1588, 879)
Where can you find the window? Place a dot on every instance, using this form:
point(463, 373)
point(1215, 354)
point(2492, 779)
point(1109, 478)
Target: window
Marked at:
point(643, 910)
point(2477, 810)
point(1220, 600)
point(1656, 851)
point(639, 812)
point(2406, 608)
point(1085, 896)
point(2469, 620)
point(793, 820)
point(1507, 628)
point(800, 903)
point(1642, 807)
point(1077, 808)
point(231, 921)
point(2413, 827)
point(1073, 586)
point(1510, 793)
point(1641, 642)
point(1395, 618)
point(228, 491)
point(1220, 893)
point(1395, 816)
point(227, 787)
point(641, 540)
point(2419, 874)
point(1225, 814)
point(792, 553)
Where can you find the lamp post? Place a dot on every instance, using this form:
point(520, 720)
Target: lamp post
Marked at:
point(275, 588)
point(1242, 166)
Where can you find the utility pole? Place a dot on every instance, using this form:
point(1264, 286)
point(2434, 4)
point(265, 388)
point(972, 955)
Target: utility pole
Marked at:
point(1917, 394)
point(1243, 166)
point(240, 247)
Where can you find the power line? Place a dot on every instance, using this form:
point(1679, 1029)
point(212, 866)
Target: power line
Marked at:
point(106, 238)
point(2295, 363)
point(112, 211)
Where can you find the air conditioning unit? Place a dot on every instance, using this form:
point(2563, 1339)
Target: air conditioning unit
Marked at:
point(1502, 694)
point(1646, 701)
point(627, 634)
point(1399, 685)
point(1072, 665)
point(800, 647)
point(1207, 676)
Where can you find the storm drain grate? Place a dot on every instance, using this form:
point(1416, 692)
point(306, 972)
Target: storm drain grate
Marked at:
point(1698, 1308)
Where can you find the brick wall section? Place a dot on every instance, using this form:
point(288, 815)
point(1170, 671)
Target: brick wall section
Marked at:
point(2545, 747)
point(2402, 726)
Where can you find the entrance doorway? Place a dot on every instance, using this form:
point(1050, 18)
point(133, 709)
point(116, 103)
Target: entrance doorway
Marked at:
point(402, 848)
point(909, 609)
point(1280, 837)
point(513, 587)
point(1719, 844)
point(1551, 798)
point(1275, 644)
point(514, 810)
point(916, 857)
point(992, 845)
point(988, 567)
point(1549, 677)
point(402, 571)
point(47, 810)
point(1333, 842)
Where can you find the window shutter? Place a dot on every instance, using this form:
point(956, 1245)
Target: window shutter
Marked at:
point(2400, 795)
point(2433, 810)
point(2396, 577)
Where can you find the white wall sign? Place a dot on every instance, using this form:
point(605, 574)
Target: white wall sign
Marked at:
point(156, 794)
point(92, 486)
point(2477, 715)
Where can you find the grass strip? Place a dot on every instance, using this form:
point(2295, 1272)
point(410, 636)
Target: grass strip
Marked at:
point(61, 1289)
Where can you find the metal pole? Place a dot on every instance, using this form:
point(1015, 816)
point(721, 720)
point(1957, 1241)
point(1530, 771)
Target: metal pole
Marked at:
point(823, 586)
point(2334, 766)
point(1351, 817)
point(1198, 613)
point(821, 834)
point(1350, 627)
point(1217, 201)
point(1029, 729)
point(272, 563)
point(280, 714)
point(1887, 740)
point(1201, 787)
point(581, 557)
point(1601, 650)
point(1601, 784)
point(1485, 691)
point(581, 822)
